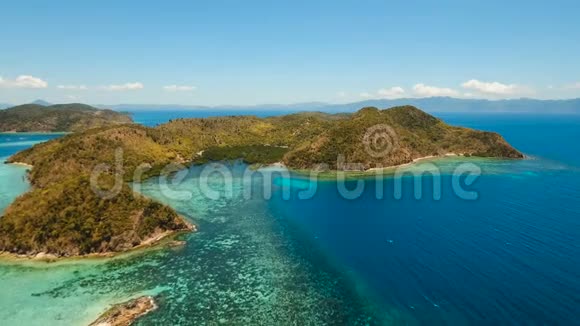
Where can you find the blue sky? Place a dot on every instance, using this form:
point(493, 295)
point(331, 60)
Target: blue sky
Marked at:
point(255, 52)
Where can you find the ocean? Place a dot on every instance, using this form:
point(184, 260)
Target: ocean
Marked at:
point(153, 118)
point(509, 256)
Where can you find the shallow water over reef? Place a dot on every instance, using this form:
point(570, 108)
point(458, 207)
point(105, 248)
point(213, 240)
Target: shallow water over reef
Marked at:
point(243, 266)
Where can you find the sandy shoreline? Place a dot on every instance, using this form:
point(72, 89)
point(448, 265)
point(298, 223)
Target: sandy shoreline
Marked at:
point(388, 171)
point(164, 239)
point(373, 171)
point(416, 160)
point(20, 164)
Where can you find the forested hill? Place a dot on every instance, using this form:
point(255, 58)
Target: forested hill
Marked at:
point(60, 117)
point(62, 215)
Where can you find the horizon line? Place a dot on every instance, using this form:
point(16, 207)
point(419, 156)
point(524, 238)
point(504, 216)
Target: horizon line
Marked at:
point(317, 103)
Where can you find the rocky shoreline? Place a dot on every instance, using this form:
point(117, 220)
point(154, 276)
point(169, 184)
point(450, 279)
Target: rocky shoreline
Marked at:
point(165, 238)
point(124, 314)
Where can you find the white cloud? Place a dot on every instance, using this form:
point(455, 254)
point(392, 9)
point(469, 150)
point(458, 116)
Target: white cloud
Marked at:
point(492, 88)
point(423, 90)
point(179, 88)
point(573, 86)
point(73, 87)
point(390, 93)
point(23, 81)
point(124, 87)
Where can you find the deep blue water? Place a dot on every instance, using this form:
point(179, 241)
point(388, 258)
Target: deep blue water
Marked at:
point(510, 257)
point(551, 137)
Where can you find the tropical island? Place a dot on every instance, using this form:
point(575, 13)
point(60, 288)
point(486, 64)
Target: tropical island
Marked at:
point(61, 215)
point(72, 117)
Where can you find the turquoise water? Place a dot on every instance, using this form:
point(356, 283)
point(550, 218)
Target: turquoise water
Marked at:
point(509, 257)
point(13, 177)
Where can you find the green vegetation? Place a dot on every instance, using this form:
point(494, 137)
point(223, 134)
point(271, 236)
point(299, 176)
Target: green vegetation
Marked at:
point(61, 117)
point(251, 154)
point(69, 219)
point(62, 214)
point(414, 134)
point(80, 153)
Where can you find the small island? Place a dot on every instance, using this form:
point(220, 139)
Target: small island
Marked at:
point(61, 215)
point(124, 314)
point(72, 117)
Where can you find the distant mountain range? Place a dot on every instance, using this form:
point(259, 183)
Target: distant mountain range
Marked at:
point(431, 104)
point(308, 106)
point(448, 104)
point(41, 102)
point(37, 102)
